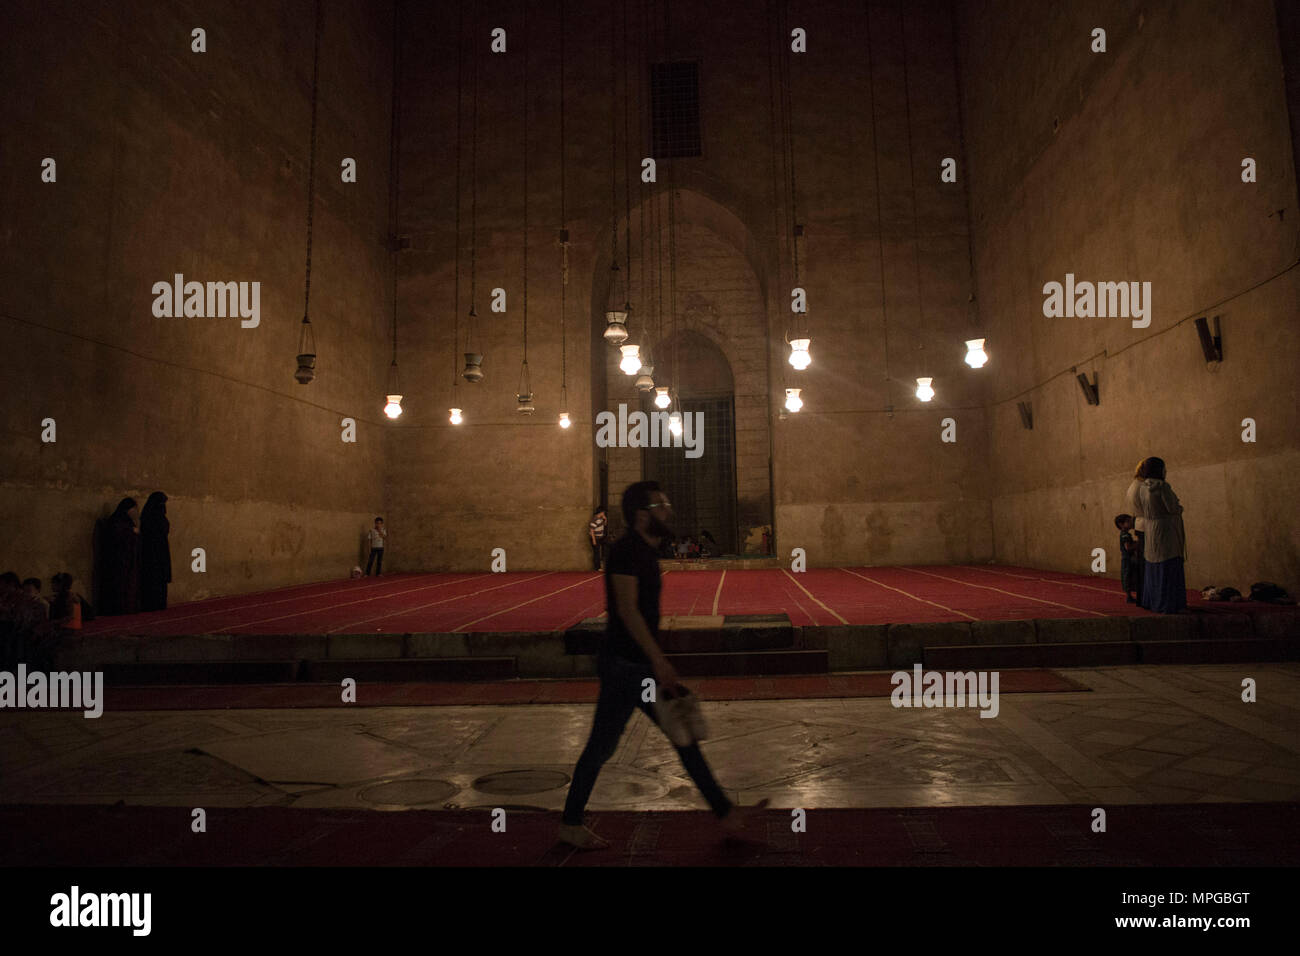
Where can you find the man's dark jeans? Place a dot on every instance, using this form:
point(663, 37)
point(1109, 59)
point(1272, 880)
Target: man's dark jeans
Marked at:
point(620, 694)
point(377, 565)
point(597, 555)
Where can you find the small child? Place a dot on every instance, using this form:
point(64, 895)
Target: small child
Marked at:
point(1130, 562)
point(32, 588)
point(68, 608)
point(378, 537)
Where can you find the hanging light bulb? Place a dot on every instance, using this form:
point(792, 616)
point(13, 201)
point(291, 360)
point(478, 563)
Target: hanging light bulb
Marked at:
point(661, 397)
point(473, 367)
point(792, 400)
point(564, 420)
point(675, 422)
point(455, 418)
point(645, 381)
point(799, 356)
point(923, 390)
point(393, 408)
point(975, 354)
point(631, 363)
point(306, 354)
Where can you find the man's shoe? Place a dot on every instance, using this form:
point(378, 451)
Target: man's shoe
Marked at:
point(582, 838)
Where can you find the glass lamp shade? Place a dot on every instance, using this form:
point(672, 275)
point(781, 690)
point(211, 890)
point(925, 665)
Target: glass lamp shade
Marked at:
point(616, 327)
point(454, 417)
point(923, 390)
point(394, 406)
point(473, 367)
point(306, 354)
point(306, 369)
point(631, 363)
point(799, 356)
point(662, 400)
point(976, 357)
point(524, 404)
point(564, 420)
point(792, 400)
point(645, 381)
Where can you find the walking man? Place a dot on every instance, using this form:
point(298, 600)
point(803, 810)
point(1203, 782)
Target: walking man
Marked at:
point(629, 655)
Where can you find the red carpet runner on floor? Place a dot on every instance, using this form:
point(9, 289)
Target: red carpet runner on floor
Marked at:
point(1234, 834)
point(811, 687)
point(554, 600)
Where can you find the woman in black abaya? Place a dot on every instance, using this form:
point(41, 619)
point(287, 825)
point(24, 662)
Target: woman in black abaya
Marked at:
point(120, 568)
point(155, 553)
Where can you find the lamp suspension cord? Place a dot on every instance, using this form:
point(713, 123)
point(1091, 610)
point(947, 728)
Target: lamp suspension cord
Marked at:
point(460, 51)
point(880, 219)
point(672, 227)
point(311, 164)
point(613, 148)
point(526, 384)
point(564, 244)
point(911, 173)
point(627, 157)
point(394, 162)
point(473, 203)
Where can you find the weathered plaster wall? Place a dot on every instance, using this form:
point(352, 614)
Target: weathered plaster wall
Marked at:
point(171, 161)
point(1126, 165)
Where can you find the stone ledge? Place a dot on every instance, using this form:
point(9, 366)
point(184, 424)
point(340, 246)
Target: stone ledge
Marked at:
point(1094, 630)
point(906, 642)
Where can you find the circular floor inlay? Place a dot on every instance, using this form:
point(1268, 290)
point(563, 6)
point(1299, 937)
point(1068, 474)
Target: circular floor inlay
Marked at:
point(521, 781)
point(409, 793)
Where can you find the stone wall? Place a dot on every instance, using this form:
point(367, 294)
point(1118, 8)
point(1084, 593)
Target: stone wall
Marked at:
point(171, 161)
point(1125, 166)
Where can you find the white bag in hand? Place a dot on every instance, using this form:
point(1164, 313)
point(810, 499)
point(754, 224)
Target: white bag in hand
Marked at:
point(681, 719)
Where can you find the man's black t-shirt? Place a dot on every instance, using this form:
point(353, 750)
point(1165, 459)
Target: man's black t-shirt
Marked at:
point(631, 555)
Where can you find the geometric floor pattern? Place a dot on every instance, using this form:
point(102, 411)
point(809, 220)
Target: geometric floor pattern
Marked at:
point(1140, 735)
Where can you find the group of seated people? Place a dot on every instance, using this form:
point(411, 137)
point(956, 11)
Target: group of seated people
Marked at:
point(689, 547)
point(30, 625)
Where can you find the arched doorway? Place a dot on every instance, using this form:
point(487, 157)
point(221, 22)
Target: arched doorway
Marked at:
point(702, 484)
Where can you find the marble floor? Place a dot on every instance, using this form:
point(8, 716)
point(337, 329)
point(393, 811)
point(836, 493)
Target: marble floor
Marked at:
point(1159, 734)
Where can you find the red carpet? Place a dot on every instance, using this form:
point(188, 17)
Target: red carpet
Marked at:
point(255, 696)
point(554, 600)
point(1235, 834)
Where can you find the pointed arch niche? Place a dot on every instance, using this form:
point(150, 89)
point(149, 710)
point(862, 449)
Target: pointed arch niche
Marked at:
point(722, 345)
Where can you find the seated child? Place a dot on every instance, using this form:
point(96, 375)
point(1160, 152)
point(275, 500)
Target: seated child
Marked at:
point(68, 608)
point(32, 588)
point(1130, 562)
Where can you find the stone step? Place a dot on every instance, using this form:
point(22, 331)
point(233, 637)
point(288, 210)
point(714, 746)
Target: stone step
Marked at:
point(1110, 653)
point(750, 664)
point(131, 673)
point(412, 669)
point(327, 671)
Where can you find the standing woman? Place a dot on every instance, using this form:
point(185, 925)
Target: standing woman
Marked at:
point(121, 560)
point(1164, 585)
point(155, 554)
point(1139, 524)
